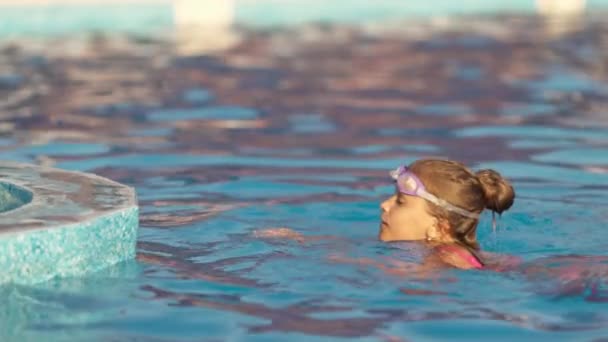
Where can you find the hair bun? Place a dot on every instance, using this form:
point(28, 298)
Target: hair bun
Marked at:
point(498, 192)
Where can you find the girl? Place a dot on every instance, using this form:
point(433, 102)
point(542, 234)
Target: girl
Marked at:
point(440, 201)
point(437, 202)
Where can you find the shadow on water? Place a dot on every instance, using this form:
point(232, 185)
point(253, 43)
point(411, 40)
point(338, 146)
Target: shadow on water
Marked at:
point(298, 128)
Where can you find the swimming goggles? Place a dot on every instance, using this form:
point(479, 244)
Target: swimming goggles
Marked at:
point(409, 184)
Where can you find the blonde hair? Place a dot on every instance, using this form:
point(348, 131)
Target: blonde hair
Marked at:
point(455, 183)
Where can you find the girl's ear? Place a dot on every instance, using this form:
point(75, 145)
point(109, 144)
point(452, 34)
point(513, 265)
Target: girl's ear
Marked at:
point(444, 227)
point(433, 233)
point(439, 231)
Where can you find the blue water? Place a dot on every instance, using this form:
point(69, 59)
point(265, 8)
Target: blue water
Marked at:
point(298, 129)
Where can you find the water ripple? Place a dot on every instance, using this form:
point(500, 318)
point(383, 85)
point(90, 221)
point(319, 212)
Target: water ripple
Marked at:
point(297, 128)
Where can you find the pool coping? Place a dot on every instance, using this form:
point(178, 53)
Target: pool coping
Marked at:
point(65, 246)
point(161, 16)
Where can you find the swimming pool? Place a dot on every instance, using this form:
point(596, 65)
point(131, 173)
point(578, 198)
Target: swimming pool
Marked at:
point(298, 128)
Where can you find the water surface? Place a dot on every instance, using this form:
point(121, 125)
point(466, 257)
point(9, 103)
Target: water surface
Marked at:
point(298, 128)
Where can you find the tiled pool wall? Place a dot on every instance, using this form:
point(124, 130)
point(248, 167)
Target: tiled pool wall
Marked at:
point(57, 17)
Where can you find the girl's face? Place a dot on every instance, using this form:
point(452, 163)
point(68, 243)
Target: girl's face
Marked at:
point(404, 217)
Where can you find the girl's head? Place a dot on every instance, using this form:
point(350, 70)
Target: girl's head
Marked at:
point(441, 200)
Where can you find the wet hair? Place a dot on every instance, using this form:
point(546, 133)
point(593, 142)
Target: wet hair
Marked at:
point(455, 183)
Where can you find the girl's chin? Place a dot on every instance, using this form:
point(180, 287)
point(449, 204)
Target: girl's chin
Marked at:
point(383, 235)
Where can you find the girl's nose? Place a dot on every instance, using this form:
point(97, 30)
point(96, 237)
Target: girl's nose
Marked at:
point(386, 205)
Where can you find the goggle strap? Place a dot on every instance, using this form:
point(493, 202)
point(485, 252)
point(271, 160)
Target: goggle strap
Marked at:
point(444, 204)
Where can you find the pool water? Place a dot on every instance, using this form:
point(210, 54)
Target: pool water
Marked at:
point(13, 197)
point(298, 128)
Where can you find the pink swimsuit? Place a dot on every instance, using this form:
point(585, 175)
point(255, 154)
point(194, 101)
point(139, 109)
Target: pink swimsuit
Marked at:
point(469, 257)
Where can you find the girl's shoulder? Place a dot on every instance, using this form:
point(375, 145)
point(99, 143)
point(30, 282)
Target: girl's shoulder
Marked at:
point(458, 256)
point(462, 257)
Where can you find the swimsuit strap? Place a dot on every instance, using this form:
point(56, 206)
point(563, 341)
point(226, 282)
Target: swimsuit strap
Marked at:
point(471, 258)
